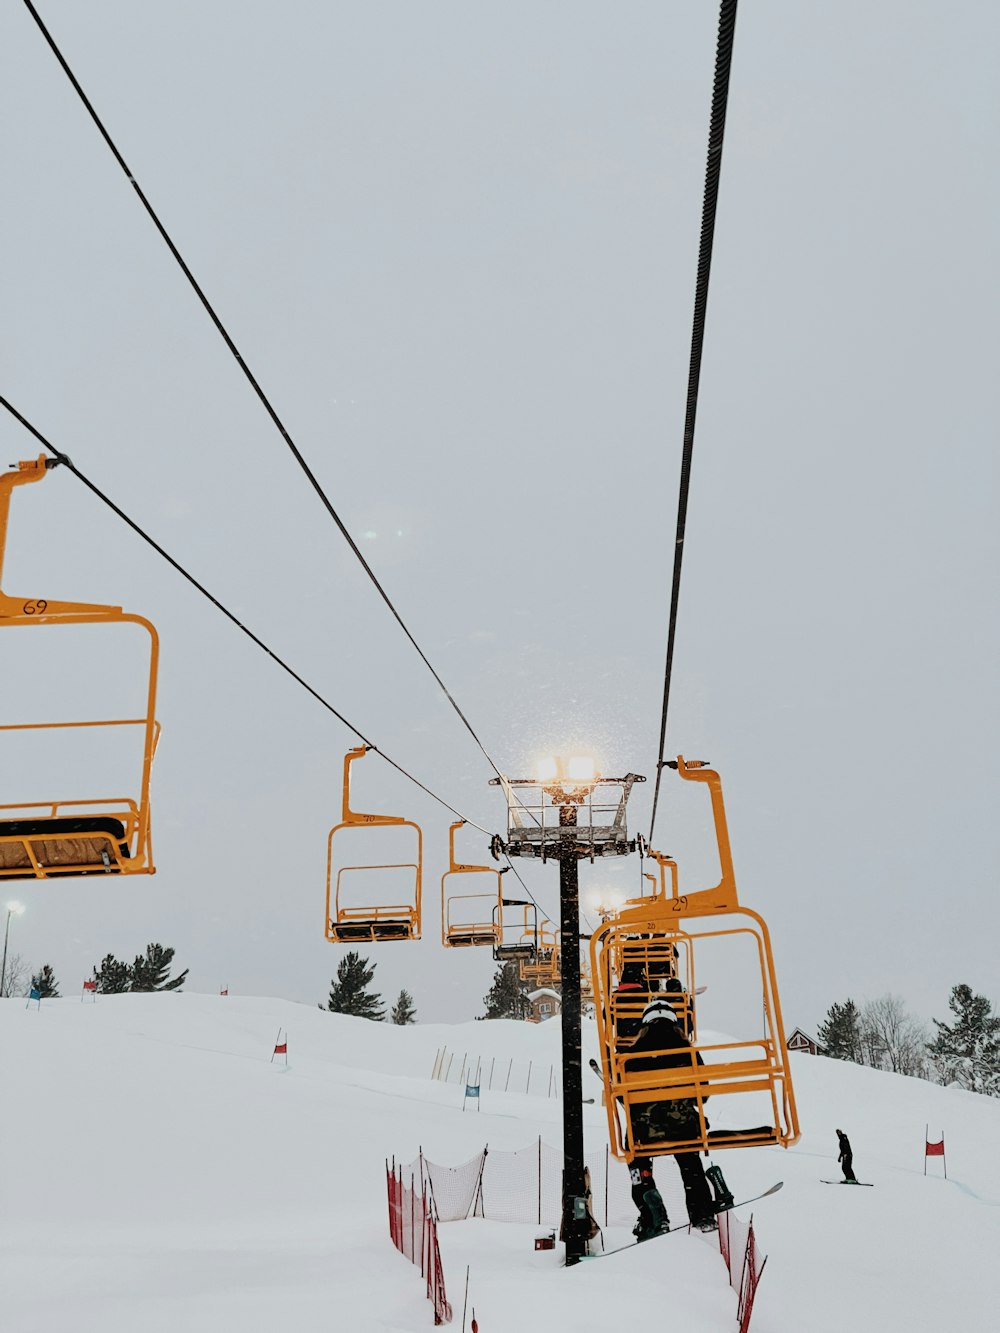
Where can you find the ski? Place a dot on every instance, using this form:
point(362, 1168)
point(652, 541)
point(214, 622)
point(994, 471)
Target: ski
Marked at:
point(867, 1183)
point(675, 1230)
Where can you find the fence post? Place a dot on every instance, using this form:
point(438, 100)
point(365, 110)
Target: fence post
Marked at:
point(448, 1071)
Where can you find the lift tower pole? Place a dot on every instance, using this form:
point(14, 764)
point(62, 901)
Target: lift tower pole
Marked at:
point(591, 823)
point(574, 1214)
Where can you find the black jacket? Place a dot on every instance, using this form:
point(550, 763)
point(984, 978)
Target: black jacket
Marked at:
point(668, 1041)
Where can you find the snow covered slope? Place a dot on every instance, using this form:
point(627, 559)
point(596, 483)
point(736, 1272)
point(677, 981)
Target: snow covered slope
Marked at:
point(159, 1173)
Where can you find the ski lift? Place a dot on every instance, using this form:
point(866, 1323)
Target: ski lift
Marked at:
point(757, 1069)
point(517, 938)
point(91, 836)
point(348, 921)
point(647, 966)
point(543, 968)
point(469, 919)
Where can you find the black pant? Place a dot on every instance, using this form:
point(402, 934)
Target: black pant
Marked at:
point(697, 1195)
point(641, 1171)
point(846, 1162)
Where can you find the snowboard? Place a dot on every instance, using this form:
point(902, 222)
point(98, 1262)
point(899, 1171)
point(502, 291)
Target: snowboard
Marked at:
point(675, 1230)
point(867, 1183)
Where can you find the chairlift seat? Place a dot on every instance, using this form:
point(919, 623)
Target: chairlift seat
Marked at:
point(77, 845)
point(472, 935)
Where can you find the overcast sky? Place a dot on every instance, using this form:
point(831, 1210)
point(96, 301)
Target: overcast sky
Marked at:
point(456, 243)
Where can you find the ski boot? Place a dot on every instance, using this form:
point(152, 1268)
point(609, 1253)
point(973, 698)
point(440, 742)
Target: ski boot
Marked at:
point(723, 1198)
point(656, 1222)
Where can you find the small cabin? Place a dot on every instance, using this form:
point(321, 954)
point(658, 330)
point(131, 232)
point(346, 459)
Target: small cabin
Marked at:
point(545, 1003)
point(801, 1041)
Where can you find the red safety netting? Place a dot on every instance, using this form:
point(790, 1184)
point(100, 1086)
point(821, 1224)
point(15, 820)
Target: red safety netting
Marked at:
point(743, 1259)
point(413, 1231)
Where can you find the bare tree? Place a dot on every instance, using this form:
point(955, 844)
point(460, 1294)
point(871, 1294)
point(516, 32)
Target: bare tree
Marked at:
point(893, 1039)
point(13, 980)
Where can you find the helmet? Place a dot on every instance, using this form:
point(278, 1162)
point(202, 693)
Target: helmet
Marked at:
point(656, 1010)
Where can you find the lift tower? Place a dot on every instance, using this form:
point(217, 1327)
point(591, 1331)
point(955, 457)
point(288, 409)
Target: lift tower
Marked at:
point(568, 813)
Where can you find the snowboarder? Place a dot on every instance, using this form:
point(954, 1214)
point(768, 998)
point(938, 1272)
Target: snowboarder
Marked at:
point(676, 1119)
point(846, 1157)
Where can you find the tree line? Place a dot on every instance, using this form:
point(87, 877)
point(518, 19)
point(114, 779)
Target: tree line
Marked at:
point(350, 993)
point(150, 971)
point(883, 1035)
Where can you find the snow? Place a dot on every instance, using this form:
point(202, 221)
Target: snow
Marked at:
point(159, 1172)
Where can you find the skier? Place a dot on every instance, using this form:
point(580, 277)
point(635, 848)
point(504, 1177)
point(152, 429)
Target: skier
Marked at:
point(677, 1119)
point(846, 1158)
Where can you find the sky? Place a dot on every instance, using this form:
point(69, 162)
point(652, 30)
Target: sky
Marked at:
point(456, 245)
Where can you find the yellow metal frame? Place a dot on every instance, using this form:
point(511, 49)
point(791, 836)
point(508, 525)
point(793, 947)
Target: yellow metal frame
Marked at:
point(469, 934)
point(759, 1066)
point(58, 839)
point(392, 921)
point(660, 956)
point(544, 969)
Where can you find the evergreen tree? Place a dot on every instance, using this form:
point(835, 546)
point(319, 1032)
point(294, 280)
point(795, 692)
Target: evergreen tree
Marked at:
point(349, 993)
point(113, 976)
point(150, 973)
point(404, 1010)
point(968, 1052)
point(840, 1033)
point(505, 998)
point(45, 983)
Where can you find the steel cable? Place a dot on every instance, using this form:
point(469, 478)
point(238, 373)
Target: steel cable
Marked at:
point(252, 380)
point(716, 134)
point(67, 462)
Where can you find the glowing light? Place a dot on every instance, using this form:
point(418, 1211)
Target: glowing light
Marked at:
point(548, 769)
point(581, 768)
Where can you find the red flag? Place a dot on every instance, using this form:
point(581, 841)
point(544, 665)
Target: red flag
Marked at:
point(281, 1048)
point(475, 1325)
point(934, 1149)
point(224, 992)
point(90, 985)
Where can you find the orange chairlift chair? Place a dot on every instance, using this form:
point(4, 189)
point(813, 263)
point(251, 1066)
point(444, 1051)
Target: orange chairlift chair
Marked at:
point(470, 919)
point(347, 922)
point(758, 1067)
point(543, 968)
point(103, 835)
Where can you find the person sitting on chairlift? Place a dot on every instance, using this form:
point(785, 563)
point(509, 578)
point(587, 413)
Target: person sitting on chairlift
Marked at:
point(668, 1047)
